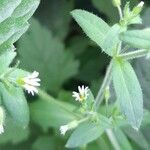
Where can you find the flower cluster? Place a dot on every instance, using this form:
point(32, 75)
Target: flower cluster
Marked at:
point(82, 94)
point(30, 82)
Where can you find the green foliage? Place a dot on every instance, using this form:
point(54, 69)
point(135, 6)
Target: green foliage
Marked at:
point(58, 23)
point(129, 93)
point(55, 48)
point(52, 114)
point(44, 142)
point(137, 38)
point(6, 59)
point(122, 140)
point(107, 8)
point(13, 133)
point(7, 8)
point(87, 132)
point(16, 104)
point(14, 16)
point(15, 22)
point(136, 137)
point(56, 64)
point(108, 45)
point(92, 25)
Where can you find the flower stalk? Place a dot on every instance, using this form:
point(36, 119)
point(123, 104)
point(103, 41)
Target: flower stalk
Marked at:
point(105, 84)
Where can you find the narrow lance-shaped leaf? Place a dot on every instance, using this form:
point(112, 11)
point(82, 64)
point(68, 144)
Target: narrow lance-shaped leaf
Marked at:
point(92, 25)
point(128, 92)
point(137, 38)
point(122, 139)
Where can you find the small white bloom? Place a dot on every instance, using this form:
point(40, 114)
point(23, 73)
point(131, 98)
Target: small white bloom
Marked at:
point(141, 4)
point(64, 129)
point(2, 118)
point(82, 94)
point(1, 129)
point(31, 82)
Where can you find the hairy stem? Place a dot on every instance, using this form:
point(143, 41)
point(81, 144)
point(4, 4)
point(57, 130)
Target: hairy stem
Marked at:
point(135, 54)
point(105, 83)
point(113, 139)
point(120, 12)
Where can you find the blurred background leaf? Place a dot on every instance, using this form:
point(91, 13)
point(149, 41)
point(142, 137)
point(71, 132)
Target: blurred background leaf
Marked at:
point(48, 56)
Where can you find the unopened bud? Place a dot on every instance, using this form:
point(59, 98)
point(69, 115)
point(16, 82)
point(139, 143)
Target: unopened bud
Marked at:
point(141, 4)
point(69, 126)
point(138, 8)
point(107, 93)
point(116, 3)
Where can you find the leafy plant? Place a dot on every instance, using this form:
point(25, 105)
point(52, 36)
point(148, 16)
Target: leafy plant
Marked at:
point(126, 84)
point(13, 23)
point(58, 55)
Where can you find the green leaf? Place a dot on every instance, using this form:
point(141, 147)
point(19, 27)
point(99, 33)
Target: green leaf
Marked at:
point(108, 45)
point(56, 65)
point(44, 142)
point(26, 9)
point(145, 17)
point(51, 113)
point(88, 104)
point(58, 23)
point(7, 7)
point(122, 139)
point(93, 26)
point(16, 104)
point(14, 23)
point(137, 137)
point(107, 8)
point(5, 60)
point(88, 132)
point(128, 92)
point(13, 133)
point(142, 68)
point(137, 38)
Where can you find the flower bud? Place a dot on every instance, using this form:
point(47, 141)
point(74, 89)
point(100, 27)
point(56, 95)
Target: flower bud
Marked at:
point(69, 126)
point(138, 8)
point(116, 3)
point(107, 93)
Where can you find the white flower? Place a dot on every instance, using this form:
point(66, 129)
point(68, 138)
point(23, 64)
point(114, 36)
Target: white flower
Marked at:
point(82, 94)
point(1, 129)
point(2, 118)
point(141, 4)
point(31, 82)
point(64, 129)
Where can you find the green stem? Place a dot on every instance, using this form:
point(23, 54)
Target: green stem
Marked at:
point(120, 12)
point(113, 139)
point(135, 54)
point(106, 82)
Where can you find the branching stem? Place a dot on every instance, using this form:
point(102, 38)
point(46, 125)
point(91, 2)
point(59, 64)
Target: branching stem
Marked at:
point(105, 83)
point(120, 12)
point(113, 139)
point(134, 54)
